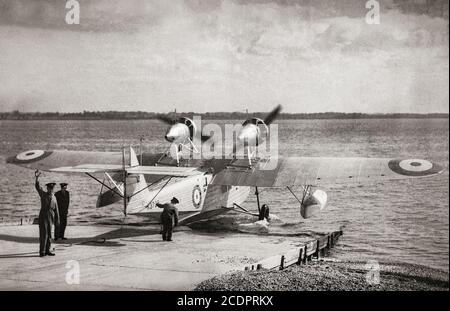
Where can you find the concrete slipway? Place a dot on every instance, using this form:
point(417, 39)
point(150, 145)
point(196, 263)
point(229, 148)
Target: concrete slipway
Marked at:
point(128, 258)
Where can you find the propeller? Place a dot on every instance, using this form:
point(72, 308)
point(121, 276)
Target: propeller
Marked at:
point(249, 126)
point(205, 137)
point(272, 115)
point(166, 119)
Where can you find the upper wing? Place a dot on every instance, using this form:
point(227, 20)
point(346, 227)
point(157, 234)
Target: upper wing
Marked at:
point(52, 160)
point(292, 171)
point(92, 162)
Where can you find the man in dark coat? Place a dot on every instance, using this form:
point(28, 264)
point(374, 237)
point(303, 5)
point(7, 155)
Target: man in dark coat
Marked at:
point(47, 216)
point(169, 218)
point(264, 213)
point(63, 198)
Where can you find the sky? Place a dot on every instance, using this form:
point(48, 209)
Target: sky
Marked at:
point(224, 55)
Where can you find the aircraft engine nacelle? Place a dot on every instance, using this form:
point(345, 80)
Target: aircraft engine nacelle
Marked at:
point(313, 203)
point(250, 134)
point(181, 130)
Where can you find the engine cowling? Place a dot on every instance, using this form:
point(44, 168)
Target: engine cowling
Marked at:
point(250, 134)
point(183, 129)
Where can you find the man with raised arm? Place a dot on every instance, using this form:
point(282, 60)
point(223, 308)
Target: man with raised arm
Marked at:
point(47, 216)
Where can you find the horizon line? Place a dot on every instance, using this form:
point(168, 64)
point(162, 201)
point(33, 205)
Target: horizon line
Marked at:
point(213, 112)
point(142, 115)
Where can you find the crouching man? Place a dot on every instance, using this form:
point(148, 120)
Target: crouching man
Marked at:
point(169, 218)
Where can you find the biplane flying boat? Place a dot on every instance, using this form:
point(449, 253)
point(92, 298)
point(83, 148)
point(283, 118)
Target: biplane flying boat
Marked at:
point(209, 187)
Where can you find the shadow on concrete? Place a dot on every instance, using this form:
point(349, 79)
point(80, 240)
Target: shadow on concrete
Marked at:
point(18, 239)
point(146, 241)
point(20, 255)
point(98, 240)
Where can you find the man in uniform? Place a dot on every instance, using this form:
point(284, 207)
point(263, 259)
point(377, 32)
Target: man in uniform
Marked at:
point(62, 197)
point(47, 216)
point(264, 213)
point(169, 218)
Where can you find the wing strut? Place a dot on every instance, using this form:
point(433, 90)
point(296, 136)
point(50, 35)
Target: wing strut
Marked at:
point(103, 184)
point(306, 191)
point(124, 183)
point(239, 209)
point(257, 200)
point(299, 201)
point(168, 180)
point(148, 186)
point(170, 177)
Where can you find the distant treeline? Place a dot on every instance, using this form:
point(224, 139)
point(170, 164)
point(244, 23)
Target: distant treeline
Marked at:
point(135, 115)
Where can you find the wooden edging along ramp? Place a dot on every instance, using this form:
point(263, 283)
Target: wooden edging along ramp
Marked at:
point(300, 255)
point(18, 222)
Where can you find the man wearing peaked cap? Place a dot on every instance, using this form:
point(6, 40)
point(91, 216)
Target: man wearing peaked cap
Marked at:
point(63, 198)
point(48, 215)
point(169, 218)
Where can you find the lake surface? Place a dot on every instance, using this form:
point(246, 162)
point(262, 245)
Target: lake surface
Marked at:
point(406, 221)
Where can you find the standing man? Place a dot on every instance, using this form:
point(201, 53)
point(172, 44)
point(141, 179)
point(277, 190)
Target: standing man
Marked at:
point(63, 198)
point(169, 218)
point(47, 216)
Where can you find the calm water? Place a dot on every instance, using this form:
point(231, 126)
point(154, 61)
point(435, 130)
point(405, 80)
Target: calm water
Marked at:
point(404, 221)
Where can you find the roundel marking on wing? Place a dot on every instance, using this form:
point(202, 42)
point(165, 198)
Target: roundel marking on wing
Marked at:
point(31, 156)
point(413, 167)
point(196, 196)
